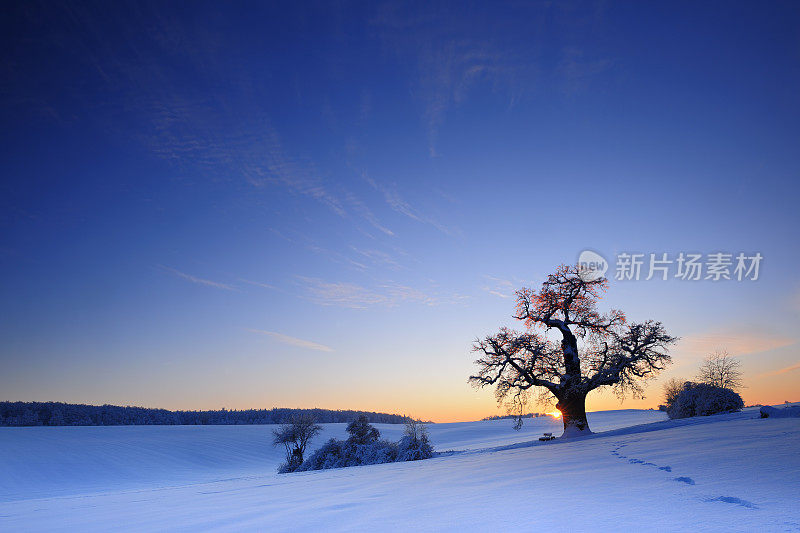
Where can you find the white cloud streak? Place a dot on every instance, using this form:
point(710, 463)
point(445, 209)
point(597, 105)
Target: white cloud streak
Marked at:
point(502, 288)
point(367, 214)
point(378, 257)
point(398, 204)
point(785, 370)
point(259, 284)
point(293, 341)
point(734, 341)
point(353, 296)
point(198, 281)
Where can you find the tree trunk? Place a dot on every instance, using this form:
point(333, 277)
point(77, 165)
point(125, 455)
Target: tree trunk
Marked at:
point(573, 414)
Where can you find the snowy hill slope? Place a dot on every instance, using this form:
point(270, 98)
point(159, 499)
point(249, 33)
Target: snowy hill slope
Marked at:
point(39, 462)
point(730, 472)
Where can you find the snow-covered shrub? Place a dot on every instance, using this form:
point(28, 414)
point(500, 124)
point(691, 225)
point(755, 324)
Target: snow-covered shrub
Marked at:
point(373, 453)
point(414, 445)
point(362, 432)
point(285, 468)
point(365, 447)
point(329, 455)
point(702, 399)
point(340, 454)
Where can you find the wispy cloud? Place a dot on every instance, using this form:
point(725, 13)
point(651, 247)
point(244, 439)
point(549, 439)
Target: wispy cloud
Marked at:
point(447, 71)
point(230, 137)
point(300, 239)
point(497, 293)
point(502, 288)
point(378, 257)
point(198, 281)
point(336, 257)
point(400, 205)
point(403, 293)
point(353, 296)
point(578, 66)
point(367, 214)
point(341, 294)
point(450, 56)
point(227, 137)
point(293, 341)
point(259, 284)
point(734, 341)
point(786, 370)
point(274, 165)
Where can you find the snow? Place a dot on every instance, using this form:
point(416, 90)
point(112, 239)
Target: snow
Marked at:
point(782, 412)
point(572, 431)
point(734, 472)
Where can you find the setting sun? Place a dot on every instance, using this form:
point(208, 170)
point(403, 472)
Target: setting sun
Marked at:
point(555, 414)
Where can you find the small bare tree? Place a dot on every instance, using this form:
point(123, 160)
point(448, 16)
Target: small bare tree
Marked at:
point(595, 350)
point(295, 436)
point(672, 389)
point(721, 370)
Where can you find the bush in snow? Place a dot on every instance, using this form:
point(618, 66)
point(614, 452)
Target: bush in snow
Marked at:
point(365, 447)
point(339, 454)
point(702, 399)
point(377, 452)
point(362, 432)
point(329, 455)
point(414, 445)
point(295, 436)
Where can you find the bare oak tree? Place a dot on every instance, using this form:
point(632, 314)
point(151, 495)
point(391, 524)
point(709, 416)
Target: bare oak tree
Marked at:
point(595, 349)
point(721, 370)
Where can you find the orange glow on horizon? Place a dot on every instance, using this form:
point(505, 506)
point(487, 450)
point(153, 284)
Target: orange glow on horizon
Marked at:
point(449, 403)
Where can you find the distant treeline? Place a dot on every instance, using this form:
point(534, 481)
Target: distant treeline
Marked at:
point(506, 417)
point(67, 414)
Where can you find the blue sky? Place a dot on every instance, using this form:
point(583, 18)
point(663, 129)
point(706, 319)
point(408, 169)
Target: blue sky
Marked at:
point(319, 204)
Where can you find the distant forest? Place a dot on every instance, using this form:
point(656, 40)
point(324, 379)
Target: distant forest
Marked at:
point(504, 417)
point(67, 414)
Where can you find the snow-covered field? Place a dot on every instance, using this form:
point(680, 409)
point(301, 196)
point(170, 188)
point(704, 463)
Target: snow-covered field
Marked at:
point(732, 472)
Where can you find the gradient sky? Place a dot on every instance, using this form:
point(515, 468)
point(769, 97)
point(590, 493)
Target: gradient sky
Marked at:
point(239, 204)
